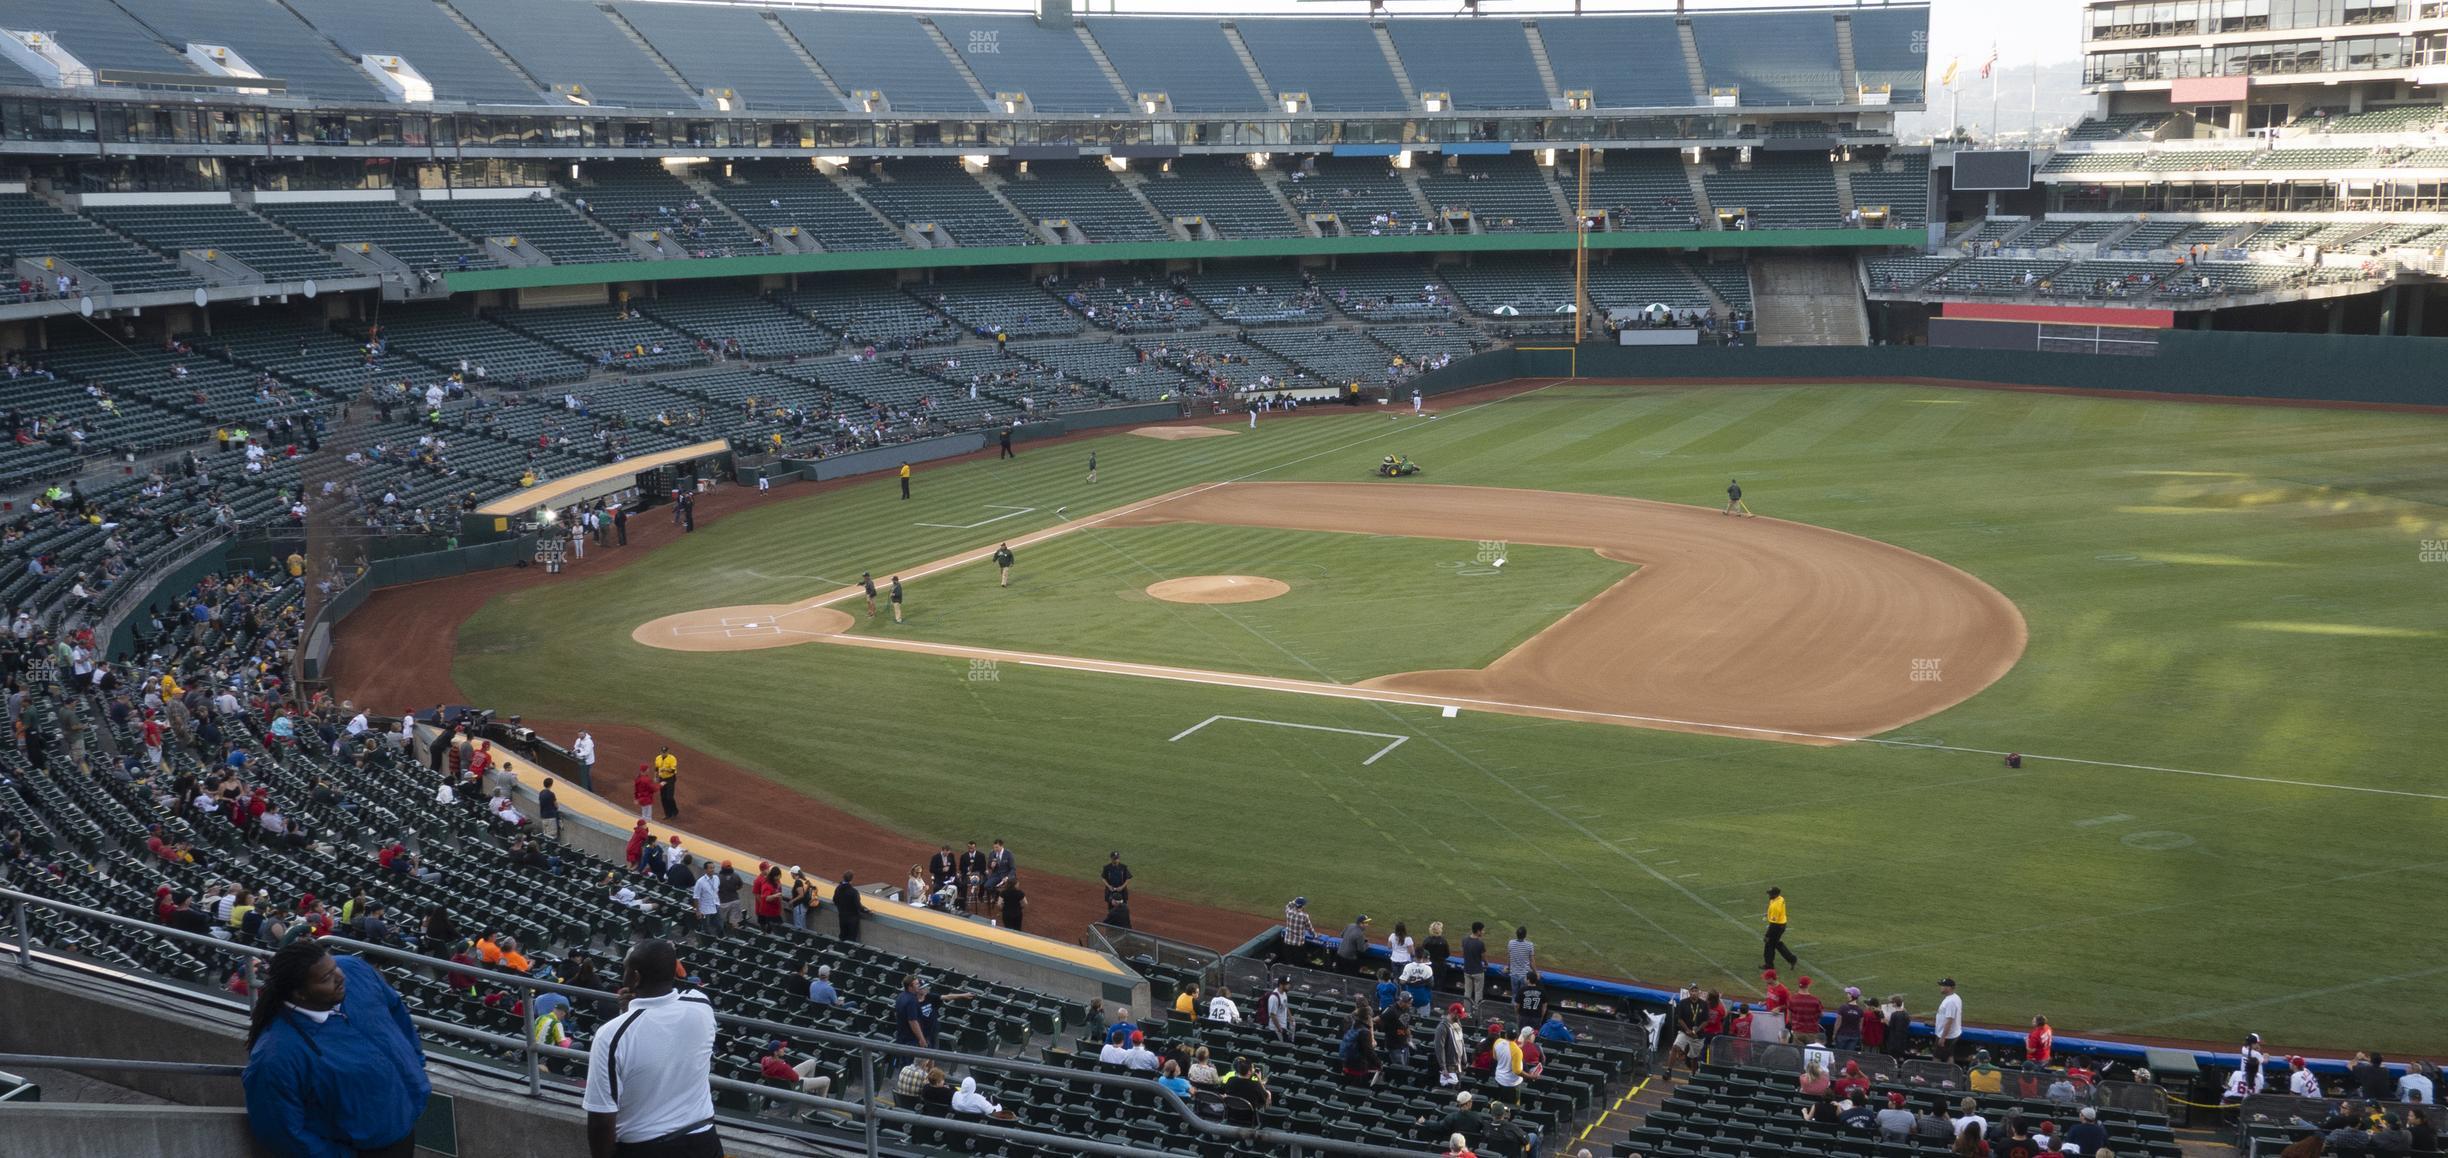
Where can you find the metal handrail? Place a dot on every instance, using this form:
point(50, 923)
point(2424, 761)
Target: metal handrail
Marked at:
point(866, 1108)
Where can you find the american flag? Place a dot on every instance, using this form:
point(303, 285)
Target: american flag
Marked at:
point(1989, 66)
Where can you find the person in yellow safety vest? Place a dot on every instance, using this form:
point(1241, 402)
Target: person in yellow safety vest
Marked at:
point(551, 1027)
point(667, 776)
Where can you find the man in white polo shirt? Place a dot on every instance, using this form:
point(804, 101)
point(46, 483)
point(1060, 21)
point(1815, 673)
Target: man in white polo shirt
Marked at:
point(648, 1090)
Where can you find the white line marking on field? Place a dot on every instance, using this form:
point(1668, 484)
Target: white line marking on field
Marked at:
point(1016, 512)
point(1397, 740)
point(2096, 821)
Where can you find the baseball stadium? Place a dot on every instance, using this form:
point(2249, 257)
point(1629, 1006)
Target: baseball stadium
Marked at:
point(1363, 577)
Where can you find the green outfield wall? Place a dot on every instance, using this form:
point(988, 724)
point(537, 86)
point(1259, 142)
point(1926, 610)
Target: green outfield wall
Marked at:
point(966, 257)
point(2314, 368)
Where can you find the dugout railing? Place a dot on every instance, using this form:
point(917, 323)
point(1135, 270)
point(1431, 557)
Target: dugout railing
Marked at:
point(857, 1122)
point(1925, 1073)
point(1251, 977)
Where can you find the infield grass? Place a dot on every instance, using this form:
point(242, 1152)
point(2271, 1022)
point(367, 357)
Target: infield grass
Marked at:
point(2231, 602)
point(1359, 605)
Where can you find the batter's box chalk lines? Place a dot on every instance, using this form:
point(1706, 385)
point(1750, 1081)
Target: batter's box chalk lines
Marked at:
point(1013, 513)
point(1395, 740)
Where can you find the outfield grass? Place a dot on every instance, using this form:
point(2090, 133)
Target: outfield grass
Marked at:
point(2233, 591)
point(1356, 604)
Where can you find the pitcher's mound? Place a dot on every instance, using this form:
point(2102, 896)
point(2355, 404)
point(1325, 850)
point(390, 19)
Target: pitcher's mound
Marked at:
point(1217, 589)
point(744, 628)
point(1178, 433)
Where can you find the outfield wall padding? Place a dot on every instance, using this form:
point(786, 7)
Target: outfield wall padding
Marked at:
point(2317, 368)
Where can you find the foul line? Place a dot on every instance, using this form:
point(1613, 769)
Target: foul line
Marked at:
point(1016, 512)
point(1397, 740)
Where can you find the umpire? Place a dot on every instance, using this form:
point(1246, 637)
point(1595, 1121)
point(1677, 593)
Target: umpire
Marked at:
point(1774, 942)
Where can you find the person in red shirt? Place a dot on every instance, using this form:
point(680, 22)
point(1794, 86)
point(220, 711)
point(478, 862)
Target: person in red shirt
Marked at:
point(1778, 995)
point(644, 792)
point(152, 739)
point(1740, 1027)
point(1802, 1011)
point(776, 1067)
point(163, 906)
point(637, 843)
point(768, 894)
point(2040, 1044)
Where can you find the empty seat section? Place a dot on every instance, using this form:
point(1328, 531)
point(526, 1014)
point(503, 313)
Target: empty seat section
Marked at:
point(1418, 343)
point(1337, 62)
point(1481, 64)
point(644, 197)
point(1633, 283)
point(1386, 291)
point(1781, 192)
point(718, 46)
point(1730, 279)
point(1776, 58)
point(1224, 362)
point(780, 194)
point(1358, 191)
point(1017, 54)
point(1636, 188)
point(400, 231)
point(443, 336)
point(873, 314)
point(1509, 194)
point(1901, 185)
point(883, 52)
point(1132, 303)
point(101, 35)
point(1224, 190)
point(1621, 61)
point(554, 229)
point(990, 305)
point(601, 336)
point(1258, 295)
point(32, 228)
point(264, 247)
point(1188, 60)
point(762, 329)
point(1890, 47)
point(458, 67)
point(1114, 367)
point(941, 192)
point(1512, 286)
point(2115, 128)
point(559, 43)
point(1329, 352)
point(1995, 275)
point(272, 40)
point(1905, 271)
point(1086, 194)
point(2109, 279)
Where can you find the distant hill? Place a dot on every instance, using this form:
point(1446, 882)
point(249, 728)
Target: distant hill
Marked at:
point(2061, 104)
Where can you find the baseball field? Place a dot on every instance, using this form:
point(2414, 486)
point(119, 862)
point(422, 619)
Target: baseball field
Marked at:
point(2214, 633)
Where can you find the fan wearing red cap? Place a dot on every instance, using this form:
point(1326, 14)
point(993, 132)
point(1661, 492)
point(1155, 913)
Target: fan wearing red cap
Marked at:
point(1802, 1011)
point(1777, 994)
point(1895, 1123)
